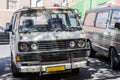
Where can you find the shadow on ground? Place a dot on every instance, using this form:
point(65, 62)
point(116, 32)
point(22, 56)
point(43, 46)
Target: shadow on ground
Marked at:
point(98, 69)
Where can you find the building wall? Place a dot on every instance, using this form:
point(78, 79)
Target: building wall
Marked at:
point(6, 14)
point(3, 4)
point(112, 3)
point(48, 3)
point(23, 3)
point(83, 5)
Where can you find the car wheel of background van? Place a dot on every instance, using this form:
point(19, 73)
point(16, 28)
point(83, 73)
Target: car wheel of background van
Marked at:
point(91, 52)
point(114, 62)
point(15, 73)
point(75, 70)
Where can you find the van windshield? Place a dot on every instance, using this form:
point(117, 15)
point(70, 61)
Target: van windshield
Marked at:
point(48, 20)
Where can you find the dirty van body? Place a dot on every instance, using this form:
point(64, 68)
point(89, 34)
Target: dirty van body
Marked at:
point(102, 28)
point(46, 40)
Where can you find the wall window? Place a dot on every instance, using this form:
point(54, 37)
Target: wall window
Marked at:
point(90, 19)
point(12, 4)
point(101, 20)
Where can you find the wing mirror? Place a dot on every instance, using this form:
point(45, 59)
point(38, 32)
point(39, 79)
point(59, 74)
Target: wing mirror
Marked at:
point(8, 27)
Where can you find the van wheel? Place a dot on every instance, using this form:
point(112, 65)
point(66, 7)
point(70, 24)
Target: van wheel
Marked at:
point(15, 72)
point(75, 70)
point(114, 61)
point(91, 52)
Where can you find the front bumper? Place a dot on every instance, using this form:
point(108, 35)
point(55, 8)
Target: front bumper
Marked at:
point(38, 62)
point(42, 68)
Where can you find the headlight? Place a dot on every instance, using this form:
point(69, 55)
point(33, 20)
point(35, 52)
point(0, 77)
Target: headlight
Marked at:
point(72, 44)
point(34, 47)
point(81, 43)
point(24, 47)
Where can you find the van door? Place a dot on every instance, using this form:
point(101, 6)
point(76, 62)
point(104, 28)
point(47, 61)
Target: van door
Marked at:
point(101, 24)
point(95, 25)
point(89, 24)
point(115, 32)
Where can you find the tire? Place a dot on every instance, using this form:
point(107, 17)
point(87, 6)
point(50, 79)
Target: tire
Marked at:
point(91, 52)
point(114, 61)
point(15, 72)
point(75, 70)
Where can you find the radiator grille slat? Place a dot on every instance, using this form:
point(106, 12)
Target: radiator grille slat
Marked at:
point(48, 45)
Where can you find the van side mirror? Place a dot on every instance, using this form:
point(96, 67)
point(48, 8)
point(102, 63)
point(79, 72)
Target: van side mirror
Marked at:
point(8, 27)
point(78, 16)
point(117, 25)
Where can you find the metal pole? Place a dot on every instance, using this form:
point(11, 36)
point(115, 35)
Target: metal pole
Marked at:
point(67, 3)
point(30, 3)
point(90, 4)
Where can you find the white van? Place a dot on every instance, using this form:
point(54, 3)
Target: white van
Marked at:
point(46, 40)
point(102, 27)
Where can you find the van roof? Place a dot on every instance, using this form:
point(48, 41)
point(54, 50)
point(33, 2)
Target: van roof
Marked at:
point(30, 8)
point(104, 9)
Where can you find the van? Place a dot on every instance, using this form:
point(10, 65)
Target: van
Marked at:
point(46, 40)
point(102, 27)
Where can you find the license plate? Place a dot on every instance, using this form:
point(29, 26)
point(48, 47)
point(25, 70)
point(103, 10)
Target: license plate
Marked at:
point(55, 68)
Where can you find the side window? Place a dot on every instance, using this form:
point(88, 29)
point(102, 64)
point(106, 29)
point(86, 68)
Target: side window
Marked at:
point(14, 21)
point(115, 18)
point(90, 19)
point(101, 20)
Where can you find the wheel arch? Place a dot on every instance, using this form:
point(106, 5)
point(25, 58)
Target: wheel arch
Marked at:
point(88, 40)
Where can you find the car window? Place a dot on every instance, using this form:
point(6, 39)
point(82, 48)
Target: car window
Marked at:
point(90, 19)
point(101, 20)
point(115, 18)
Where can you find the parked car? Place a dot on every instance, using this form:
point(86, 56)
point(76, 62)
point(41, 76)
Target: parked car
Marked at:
point(102, 27)
point(46, 40)
point(4, 36)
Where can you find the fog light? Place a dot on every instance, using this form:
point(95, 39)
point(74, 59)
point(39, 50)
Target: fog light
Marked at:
point(18, 58)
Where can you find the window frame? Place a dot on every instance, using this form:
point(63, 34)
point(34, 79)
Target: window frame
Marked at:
point(94, 20)
point(8, 6)
point(106, 19)
point(112, 17)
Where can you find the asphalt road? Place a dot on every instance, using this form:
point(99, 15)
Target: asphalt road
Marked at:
point(99, 69)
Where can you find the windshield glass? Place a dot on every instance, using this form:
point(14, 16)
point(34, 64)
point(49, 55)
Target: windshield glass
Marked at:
point(48, 20)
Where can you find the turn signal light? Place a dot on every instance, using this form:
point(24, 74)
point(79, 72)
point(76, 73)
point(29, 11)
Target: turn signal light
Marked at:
point(18, 58)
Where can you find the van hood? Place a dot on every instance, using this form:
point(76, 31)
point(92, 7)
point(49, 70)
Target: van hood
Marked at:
point(45, 36)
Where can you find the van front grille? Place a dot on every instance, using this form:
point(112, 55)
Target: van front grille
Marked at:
point(49, 45)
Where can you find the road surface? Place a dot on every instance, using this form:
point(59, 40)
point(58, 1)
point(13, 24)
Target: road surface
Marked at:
point(98, 69)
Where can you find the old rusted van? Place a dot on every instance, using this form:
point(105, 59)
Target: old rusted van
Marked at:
point(46, 40)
